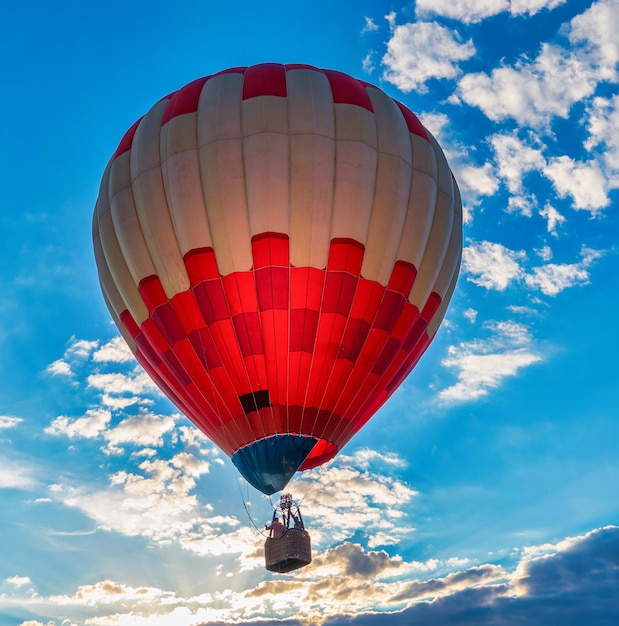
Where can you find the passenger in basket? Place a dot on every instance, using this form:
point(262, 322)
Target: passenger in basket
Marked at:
point(276, 528)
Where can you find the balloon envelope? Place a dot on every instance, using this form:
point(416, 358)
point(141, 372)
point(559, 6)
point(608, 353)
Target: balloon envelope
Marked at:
point(278, 245)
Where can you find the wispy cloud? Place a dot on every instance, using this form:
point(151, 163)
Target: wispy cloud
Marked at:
point(483, 365)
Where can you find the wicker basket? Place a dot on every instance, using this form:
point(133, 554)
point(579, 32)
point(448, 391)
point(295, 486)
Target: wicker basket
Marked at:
point(288, 552)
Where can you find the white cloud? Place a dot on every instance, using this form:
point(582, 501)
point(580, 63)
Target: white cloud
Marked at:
point(7, 421)
point(370, 26)
point(531, 7)
point(18, 581)
point(595, 32)
point(59, 368)
point(491, 265)
point(478, 181)
point(420, 51)
point(553, 278)
point(374, 502)
point(584, 182)
point(115, 351)
point(473, 11)
point(80, 348)
point(90, 426)
point(534, 91)
point(515, 159)
point(144, 429)
point(553, 218)
point(483, 365)
point(531, 92)
point(16, 474)
point(467, 11)
point(603, 128)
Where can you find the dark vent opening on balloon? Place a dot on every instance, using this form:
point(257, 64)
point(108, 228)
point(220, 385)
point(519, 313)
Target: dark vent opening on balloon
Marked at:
point(255, 401)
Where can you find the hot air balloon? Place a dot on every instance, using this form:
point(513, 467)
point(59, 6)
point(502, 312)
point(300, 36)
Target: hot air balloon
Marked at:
point(278, 245)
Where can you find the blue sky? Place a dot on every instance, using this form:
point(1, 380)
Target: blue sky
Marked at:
point(484, 491)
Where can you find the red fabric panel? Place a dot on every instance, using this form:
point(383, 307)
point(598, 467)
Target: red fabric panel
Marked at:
point(300, 365)
point(232, 70)
point(353, 338)
point(346, 255)
point(248, 332)
point(240, 290)
point(266, 79)
point(339, 292)
point(201, 265)
point(130, 324)
point(367, 300)
point(187, 311)
point(322, 452)
point(275, 338)
point(185, 100)
point(168, 323)
point(127, 141)
point(402, 278)
point(348, 90)
point(205, 348)
point(212, 300)
point(273, 288)
point(154, 336)
point(270, 249)
point(386, 355)
point(152, 292)
point(303, 327)
point(419, 328)
point(300, 66)
point(434, 301)
point(412, 121)
point(389, 311)
point(306, 287)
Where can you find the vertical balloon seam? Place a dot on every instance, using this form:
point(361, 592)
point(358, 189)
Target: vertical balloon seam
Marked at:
point(259, 433)
point(214, 410)
point(144, 217)
point(199, 119)
point(306, 382)
point(242, 415)
point(329, 421)
point(351, 418)
point(312, 364)
point(360, 416)
point(227, 424)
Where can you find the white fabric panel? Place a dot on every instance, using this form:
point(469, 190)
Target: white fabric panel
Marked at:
point(223, 182)
point(451, 260)
point(434, 253)
point(312, 166)
point(393, 135)
point(355, 123)
point(119, 325)
point(181, 175)
point(435, 322)
point(264, 114)
point(312, 180)
point(219, 108)
point(355, 173)
point(265, 158)
point(393, 180)
point(310, 103)
point(421, 202)
point(127, 227)
point(151, 204)
point(222, 172)
point(266, 161)
point(121, 277)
